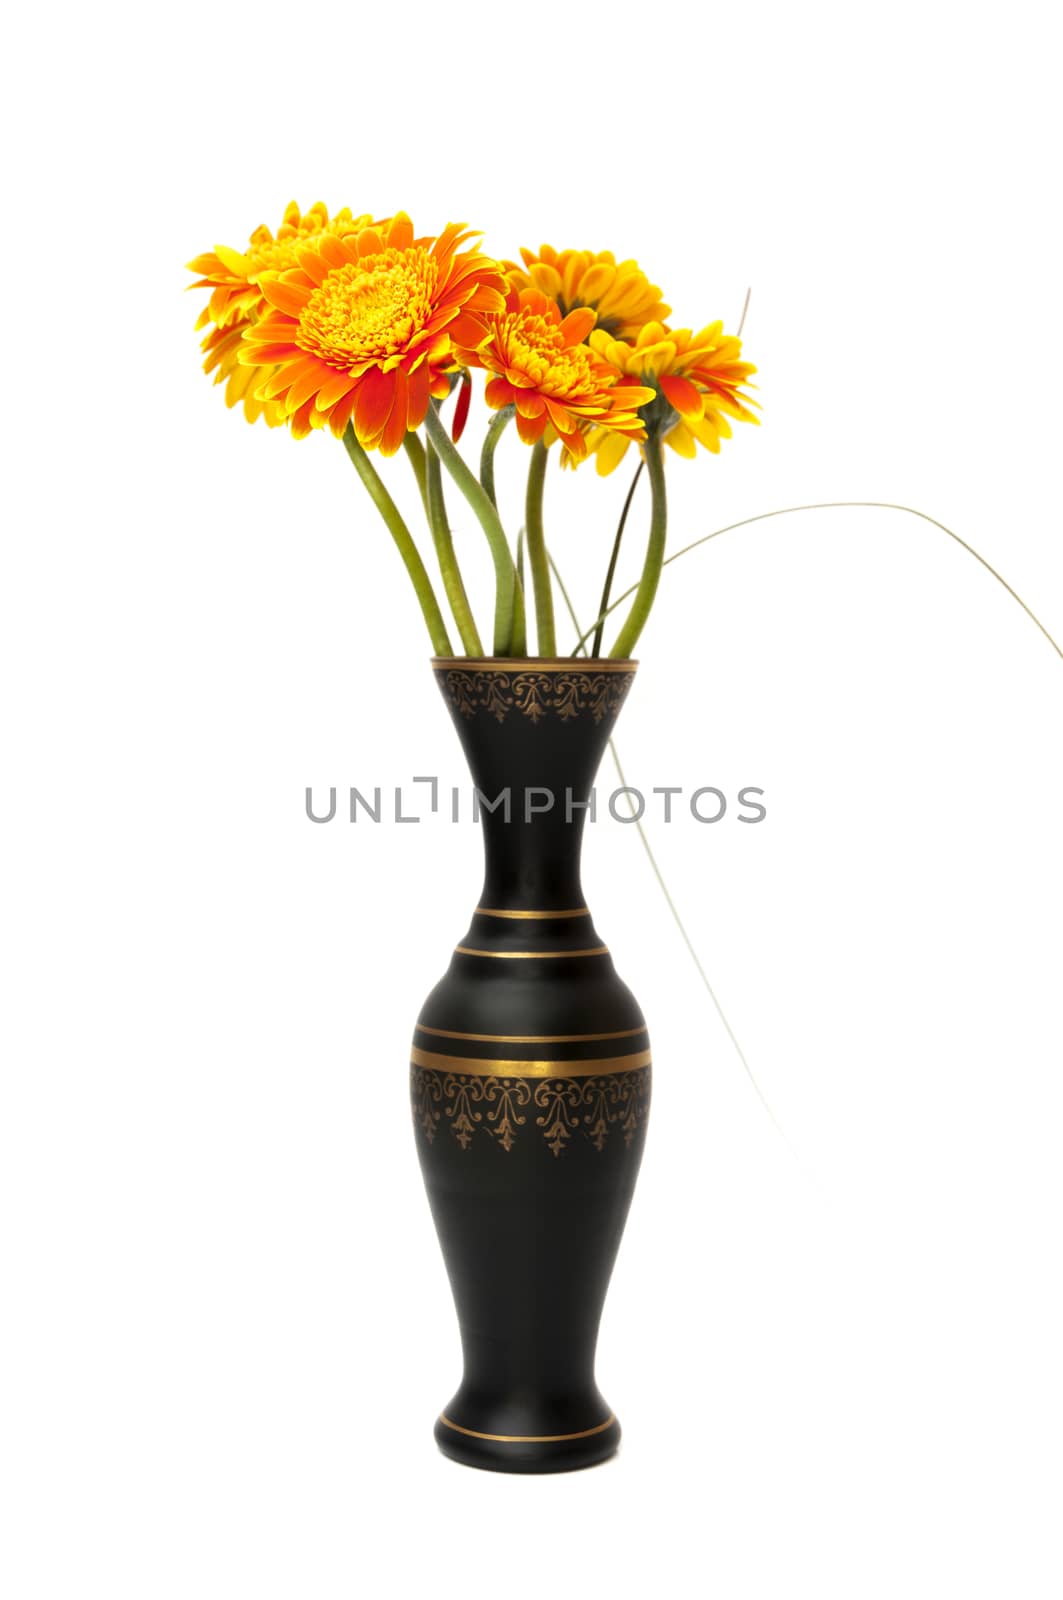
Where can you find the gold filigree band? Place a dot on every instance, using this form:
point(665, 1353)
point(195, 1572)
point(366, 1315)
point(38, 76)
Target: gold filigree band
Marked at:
point(535, 689)
point(496, 1109)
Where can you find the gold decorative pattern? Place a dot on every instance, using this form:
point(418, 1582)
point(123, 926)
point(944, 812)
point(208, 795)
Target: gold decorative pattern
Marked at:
point(538, 690)
point(528, 1438)
point(498, 1108)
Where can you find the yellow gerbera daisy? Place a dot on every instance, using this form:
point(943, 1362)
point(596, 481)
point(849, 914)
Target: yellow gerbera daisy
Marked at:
point(696, 379)
point(364, 329)
point(236, 299)
point(539, 364)
point(619, 293)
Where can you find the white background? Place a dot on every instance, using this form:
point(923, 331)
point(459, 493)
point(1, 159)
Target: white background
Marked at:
point(226, 1325)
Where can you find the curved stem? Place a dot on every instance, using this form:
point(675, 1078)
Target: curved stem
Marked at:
point(535, 541)
point(662, 885)
point(422, 583)
point(611, 573)
point(646, 588)
point(495, 429)
point(415, 450)
point(843, 505)
point(448, 561)
point(483, 506)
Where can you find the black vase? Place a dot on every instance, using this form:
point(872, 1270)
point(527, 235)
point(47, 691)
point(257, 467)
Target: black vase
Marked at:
point(530, 1077)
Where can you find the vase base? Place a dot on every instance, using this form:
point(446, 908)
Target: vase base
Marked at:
point(504, 1452)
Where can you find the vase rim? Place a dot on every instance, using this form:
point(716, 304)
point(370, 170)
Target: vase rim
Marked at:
point(536, 663)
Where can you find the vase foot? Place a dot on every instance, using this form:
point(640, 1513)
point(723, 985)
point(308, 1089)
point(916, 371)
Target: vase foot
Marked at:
point(498, 1451)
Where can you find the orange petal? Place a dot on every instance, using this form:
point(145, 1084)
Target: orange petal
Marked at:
point(301, 423)
point(313, 263)
point(395, 428)
point(528, 402)
point(578, 324)
point(285, 296)
point(417, 403)
point(334, 389)
point(306, 373)
point(498, 393)
point(531, 429)
point(340, 414)
point(331, 250)
point(560, 416)
point(681, 394)
point(400, 233)
point(375, 394)
point(266, 355)
point(467, 330)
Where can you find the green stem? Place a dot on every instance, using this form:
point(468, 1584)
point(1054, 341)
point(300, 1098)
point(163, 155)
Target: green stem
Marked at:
point(604, 606)
point(483, 506)
point(496, 428)
point(518, 639)
point(538, 565)
point(448, 561)
point(628, 636)
point(422, 583)
point(415, 450)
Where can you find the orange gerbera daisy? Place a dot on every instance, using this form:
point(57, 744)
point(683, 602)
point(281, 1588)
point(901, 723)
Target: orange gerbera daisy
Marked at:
point(539, 364)
point(364, 329)
point(618, 292)
point(236, 300)
point(696, 381)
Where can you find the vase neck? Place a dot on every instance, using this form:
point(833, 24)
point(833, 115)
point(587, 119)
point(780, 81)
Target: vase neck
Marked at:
point(534, 734)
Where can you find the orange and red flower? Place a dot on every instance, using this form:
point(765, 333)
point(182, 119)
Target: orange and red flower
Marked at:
point(236, 299)
point(619, 293)
point(696, 382)
point(364, 328)
point(539, 364)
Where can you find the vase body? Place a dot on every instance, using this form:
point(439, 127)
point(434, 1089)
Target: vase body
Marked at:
point(530, 1078)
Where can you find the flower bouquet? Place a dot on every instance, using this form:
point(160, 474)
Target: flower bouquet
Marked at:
point(530, 1063)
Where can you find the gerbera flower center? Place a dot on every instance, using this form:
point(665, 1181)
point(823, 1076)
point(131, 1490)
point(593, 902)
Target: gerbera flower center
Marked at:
point(535, 347)
point(369, 309)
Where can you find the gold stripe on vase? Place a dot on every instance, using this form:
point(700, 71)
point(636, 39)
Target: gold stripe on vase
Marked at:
point(531, 1038)
point(532, 916)
point(529, 955)
point(511, 1068)
point(527, 1438)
